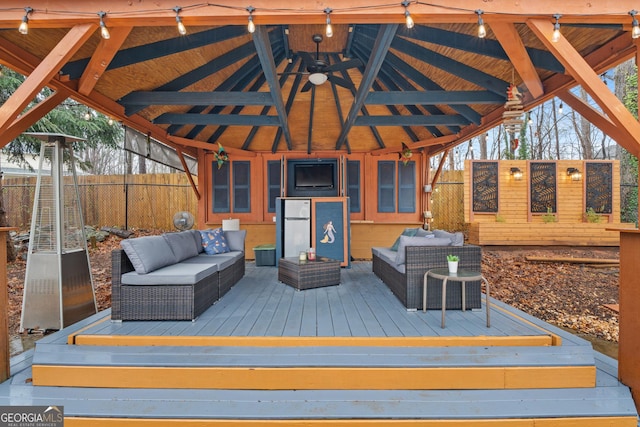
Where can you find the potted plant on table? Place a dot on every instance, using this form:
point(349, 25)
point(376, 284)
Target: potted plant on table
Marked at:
point(452, 260)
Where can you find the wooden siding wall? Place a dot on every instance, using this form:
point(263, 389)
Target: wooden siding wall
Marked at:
point(513, 224)
point(514, 196)
point(149, 201)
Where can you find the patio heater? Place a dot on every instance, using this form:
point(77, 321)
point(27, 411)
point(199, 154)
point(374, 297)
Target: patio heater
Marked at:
point(58, 286)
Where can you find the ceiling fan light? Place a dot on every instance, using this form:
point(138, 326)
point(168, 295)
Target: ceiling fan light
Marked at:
point(317, 78)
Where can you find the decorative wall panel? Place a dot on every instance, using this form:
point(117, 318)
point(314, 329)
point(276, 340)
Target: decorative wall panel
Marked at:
point(543, 187)
point(484, 180)
point(599, 187)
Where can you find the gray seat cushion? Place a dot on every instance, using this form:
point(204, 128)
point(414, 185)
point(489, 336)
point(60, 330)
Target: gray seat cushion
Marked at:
point(222, 261)
point(176, 274)
point(389, 256)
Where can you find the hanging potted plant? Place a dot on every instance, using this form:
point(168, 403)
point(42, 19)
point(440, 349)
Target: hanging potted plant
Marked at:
point(452, 261)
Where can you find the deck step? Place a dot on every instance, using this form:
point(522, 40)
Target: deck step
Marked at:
point(102, 407)
point(304, 368)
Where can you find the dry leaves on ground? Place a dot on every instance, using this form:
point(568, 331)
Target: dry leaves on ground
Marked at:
point(564, 294)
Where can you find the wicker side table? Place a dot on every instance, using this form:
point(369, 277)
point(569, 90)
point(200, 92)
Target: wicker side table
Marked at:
point(309, 274)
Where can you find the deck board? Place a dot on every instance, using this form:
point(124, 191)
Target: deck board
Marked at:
point(336, 404)
point(361, 306)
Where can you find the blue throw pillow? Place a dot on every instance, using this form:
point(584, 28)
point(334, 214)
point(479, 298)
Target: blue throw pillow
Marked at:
point(214, 242)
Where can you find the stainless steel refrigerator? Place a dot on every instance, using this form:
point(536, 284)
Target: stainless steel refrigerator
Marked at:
point(297, 226)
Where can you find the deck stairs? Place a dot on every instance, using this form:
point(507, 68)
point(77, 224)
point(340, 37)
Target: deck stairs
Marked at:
point(177, 380)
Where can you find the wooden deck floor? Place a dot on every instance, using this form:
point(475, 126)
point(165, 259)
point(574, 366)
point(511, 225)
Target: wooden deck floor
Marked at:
point(361, 306)
point(347, 355)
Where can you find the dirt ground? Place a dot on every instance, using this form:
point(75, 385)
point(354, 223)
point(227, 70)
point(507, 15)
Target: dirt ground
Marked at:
point(568, 295)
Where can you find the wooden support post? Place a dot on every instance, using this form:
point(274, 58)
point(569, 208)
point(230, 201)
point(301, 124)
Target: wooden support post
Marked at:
point(5, 370)
point(629, 336)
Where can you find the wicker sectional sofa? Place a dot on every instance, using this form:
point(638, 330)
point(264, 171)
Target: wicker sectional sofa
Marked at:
point(169, 277)
point(404, 273)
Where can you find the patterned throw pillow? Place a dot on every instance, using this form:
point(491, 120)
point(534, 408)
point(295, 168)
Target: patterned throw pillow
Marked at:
point(214, 242)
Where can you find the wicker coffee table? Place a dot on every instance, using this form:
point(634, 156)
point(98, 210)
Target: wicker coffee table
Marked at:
point(309, 274)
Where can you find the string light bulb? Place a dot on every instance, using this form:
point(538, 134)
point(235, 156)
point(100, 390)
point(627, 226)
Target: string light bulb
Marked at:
point(24, 25)
point(482, 30)
point(182, 30)
point(556, 28)
point(110, 121)
point(407, 15)
point(104, 31)
point(87, 115)
point(635, 27)
point(560, 109)
point(251, 27)
point(329, 29)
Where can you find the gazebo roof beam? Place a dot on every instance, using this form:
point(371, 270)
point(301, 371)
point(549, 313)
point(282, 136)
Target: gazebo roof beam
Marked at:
point(380, 49)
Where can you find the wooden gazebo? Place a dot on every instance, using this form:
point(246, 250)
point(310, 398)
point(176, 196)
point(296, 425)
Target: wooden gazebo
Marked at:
point(379, 97)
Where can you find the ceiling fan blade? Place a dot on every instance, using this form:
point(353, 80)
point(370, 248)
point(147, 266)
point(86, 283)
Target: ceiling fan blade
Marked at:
point(339, 66)
point(306, 86)
point(307, 59)
point(340, 81)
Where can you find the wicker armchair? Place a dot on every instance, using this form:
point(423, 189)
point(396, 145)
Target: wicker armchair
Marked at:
point(408, 286)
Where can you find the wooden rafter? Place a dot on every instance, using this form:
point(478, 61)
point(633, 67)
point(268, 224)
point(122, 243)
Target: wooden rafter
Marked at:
point(511, 42)
point(591, 82)
point(30, 117)
point(381, 46)
point(101, 59)
point(26, 63)
point(263, 47)
point(43, 73)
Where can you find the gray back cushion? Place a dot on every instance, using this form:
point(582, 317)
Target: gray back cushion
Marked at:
point(182, 244)
point(148, 253)
point(417, 241)
point(198, 238)
point(424, 233)
point(235, 239)
point(457, 239)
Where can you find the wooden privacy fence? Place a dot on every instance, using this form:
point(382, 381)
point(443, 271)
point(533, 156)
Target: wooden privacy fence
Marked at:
point(151, 200)
point(134, 201)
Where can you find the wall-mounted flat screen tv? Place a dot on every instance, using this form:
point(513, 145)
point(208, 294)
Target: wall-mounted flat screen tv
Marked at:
point(312, 178)
point(314, 175)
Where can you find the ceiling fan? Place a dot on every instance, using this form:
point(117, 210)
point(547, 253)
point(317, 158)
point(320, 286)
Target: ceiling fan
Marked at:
point(319, 71)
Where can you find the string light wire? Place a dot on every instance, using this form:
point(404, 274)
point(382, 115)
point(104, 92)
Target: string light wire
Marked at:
point(23, 28)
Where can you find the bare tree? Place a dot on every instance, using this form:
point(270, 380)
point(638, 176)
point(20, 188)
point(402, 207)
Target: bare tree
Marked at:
point(483, 146)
